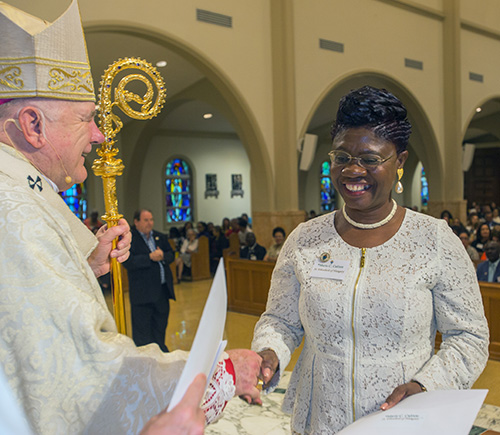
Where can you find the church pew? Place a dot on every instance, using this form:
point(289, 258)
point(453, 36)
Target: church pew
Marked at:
point(234, 247)
point(248, 284)
point(490, 292)
point(200, 261)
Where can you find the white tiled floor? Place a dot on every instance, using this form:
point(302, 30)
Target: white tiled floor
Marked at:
point(242, 419)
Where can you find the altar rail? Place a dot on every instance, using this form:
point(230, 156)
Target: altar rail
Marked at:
point(248, 283)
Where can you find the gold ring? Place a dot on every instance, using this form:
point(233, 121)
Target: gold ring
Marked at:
point(260, 384)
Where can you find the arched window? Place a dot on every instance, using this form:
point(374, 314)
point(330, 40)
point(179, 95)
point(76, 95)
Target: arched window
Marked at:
point(76, 199)
point(178, 191)
point(424, 194)
point(327, 190)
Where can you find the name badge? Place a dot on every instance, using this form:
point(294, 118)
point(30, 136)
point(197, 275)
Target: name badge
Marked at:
point(330, 269)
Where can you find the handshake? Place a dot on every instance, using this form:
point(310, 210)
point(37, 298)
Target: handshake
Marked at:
point(252, 371)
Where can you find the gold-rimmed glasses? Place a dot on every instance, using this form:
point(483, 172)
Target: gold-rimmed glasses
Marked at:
point(367, 161)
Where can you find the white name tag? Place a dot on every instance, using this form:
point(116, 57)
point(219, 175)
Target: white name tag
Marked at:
point(331, 269)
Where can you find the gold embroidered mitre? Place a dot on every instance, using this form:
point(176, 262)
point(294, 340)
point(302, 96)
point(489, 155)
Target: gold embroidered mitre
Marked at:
point(41, 59)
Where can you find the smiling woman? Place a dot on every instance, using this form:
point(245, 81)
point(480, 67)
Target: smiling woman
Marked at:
point(368, 287)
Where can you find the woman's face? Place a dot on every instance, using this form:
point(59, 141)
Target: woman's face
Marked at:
point(279, 238)
point(191, 235)
point(485, 232)
point(366, 190)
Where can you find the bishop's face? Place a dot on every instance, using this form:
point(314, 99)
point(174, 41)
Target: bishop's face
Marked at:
point(71, 135)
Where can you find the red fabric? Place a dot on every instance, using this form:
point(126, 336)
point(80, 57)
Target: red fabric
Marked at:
point(5, 100)
point(230, 369)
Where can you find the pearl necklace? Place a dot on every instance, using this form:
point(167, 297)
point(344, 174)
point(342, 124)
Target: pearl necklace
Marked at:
point(374, 225)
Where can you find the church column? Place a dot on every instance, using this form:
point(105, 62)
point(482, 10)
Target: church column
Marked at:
point(285, 171)
point(452, 191)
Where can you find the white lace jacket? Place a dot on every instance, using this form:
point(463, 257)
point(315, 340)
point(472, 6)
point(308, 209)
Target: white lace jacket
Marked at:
point(59, 348)
point(374, 330)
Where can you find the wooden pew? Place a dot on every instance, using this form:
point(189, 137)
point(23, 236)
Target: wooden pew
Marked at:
point(234, 247)
point(200, 261)
point(248, 284)
point(490, 292)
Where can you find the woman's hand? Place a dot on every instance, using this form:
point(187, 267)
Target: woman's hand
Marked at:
point(269, 365)
point(401, 392)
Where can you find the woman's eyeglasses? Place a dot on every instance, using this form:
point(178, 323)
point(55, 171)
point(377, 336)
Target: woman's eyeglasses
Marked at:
point(367, 161)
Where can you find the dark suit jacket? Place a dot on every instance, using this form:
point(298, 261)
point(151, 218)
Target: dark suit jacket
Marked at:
point(144, 276)
point(257, 250)
point(482, 272)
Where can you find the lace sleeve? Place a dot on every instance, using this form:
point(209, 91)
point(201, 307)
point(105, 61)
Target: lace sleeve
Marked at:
point(459, 314)
point(220, 390)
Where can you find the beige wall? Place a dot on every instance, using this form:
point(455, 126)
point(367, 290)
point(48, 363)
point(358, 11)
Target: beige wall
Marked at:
point(378, 35)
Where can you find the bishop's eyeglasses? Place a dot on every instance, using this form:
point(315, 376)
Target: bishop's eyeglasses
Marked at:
point(367, 161)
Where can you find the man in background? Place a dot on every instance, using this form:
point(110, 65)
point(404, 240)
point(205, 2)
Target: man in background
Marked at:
point(252, 250)
point(489, 270)
point(150, 281)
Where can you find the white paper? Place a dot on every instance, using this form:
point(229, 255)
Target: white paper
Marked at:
point(207, 345)
point(441, 412)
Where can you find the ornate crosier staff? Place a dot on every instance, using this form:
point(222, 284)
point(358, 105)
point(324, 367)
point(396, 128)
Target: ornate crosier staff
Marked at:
point(108, 167)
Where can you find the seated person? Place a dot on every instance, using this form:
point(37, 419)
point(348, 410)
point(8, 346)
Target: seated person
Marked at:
point(234, 227)
point(274, 250)
point(201, 228)
point(218, 243)
point(483, 235)
point(93, 223)
point(226, 225)
point(465, 238)
point(252, 250)
point(175, 235)
point(244, 230)
point(489, 270)
point(189, 245)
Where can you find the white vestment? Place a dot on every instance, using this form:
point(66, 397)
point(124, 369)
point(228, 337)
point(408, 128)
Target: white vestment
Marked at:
point(59, 347)
point(373, 328)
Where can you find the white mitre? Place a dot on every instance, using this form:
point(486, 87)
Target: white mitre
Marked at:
point(41, 59)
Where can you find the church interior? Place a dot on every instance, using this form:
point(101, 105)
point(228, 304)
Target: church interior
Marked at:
point(252, 90)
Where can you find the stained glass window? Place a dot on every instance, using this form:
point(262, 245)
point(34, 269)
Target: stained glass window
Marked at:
point(178, 191)
point(76, 199)
point(327, 190)
point(425, 189)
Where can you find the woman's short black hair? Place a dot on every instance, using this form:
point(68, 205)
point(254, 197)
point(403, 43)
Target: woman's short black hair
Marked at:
point(377, 110)
point(279, 230)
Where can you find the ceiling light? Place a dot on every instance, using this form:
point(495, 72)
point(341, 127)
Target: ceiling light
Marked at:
point(161, 63)
point(207, 115)
point(478, 109)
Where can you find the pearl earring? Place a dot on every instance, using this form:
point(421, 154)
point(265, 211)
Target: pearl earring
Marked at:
point(399, 185)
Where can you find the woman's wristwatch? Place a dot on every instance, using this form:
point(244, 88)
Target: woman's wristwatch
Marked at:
point(422, 387)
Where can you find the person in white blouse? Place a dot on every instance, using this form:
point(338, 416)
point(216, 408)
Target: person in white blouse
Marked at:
point(189, 245)
point(368, 286)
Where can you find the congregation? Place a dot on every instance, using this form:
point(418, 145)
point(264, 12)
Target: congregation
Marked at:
point(481, 226)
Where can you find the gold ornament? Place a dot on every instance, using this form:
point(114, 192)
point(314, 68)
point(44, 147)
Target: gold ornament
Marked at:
point(108, 167)
point(399, 185)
